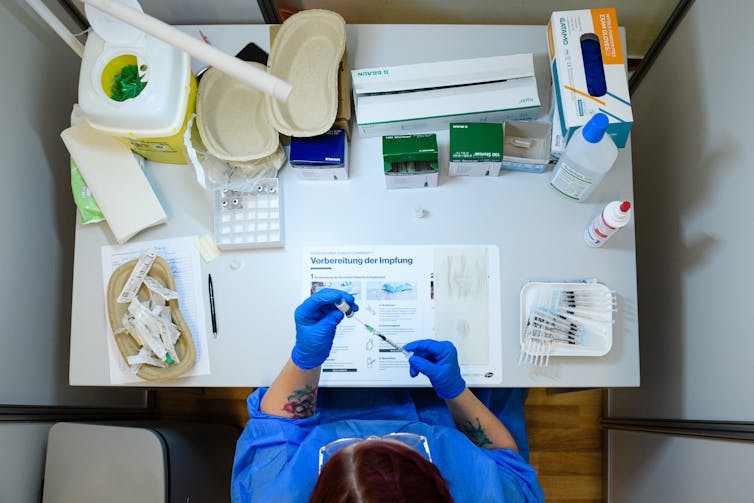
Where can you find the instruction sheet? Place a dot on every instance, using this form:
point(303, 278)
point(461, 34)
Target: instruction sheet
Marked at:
point(183, 258)
point(409, 293)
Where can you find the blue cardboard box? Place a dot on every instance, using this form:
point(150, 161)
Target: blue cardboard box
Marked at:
point(323, 157)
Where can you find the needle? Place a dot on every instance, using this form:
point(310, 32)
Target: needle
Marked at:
point(390, 342)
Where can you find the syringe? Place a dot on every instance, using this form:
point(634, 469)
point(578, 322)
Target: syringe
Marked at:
point(345, 308)
point(389, 341)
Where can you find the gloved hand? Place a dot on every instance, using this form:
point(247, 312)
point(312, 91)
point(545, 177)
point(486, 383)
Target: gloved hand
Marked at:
point(316, 319)
point(438, 361)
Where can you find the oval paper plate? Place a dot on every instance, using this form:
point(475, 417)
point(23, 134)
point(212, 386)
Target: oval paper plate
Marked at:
point(232, 118)
point(126, 344)
point(307, 53)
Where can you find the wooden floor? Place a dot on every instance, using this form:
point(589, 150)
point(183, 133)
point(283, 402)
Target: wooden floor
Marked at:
point(566, 442)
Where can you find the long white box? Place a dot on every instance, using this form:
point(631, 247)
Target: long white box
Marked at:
point(429, 96)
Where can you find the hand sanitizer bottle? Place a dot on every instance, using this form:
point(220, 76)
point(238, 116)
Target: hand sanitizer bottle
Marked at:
point(588, 157)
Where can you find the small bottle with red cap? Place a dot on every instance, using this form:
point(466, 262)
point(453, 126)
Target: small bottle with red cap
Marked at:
point(613, 218)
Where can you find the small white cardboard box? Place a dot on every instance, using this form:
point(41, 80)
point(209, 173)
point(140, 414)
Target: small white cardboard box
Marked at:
point(429, 96)
point(527, 146)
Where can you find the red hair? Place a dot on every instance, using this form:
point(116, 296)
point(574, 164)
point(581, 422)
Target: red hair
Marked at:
point(377, 471)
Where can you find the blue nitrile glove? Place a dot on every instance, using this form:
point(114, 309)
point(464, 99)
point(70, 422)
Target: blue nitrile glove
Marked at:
point(316, 319)
point(438, 361)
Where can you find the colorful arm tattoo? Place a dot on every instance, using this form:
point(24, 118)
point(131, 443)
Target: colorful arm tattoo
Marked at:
point(302, 402)
point(475, 433)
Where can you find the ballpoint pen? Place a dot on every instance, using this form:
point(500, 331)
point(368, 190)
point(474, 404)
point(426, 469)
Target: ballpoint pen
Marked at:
point(212, 306)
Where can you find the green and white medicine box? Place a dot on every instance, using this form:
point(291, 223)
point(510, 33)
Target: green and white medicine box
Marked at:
point(527, 146)
point(426, 97)
point(476, 149)
point(410, 161)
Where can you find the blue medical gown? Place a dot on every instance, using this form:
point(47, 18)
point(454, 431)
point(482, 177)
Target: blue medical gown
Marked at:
point(277, 458)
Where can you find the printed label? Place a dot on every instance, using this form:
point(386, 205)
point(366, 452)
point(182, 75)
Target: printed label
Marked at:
point(139, 272)
point(606, 28)
point(601, 228)
point(598, 231)
point(155, 286)
point(570, 182)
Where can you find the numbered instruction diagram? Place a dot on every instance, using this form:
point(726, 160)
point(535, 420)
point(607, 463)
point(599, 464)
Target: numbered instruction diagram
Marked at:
point(408, 293)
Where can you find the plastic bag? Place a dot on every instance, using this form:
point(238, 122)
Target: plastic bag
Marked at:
point(213, 173)
point(88, 207)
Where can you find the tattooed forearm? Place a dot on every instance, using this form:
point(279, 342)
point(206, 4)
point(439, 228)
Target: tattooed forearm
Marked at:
point(302, 402)
point(475, 432)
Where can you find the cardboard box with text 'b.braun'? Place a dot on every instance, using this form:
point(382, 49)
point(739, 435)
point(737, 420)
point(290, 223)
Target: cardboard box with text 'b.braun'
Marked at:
point(588, 72)
point(427, 97)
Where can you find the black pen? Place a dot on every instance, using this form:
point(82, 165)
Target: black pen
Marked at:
point(212, 306)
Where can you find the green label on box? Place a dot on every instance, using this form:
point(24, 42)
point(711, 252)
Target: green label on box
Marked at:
point(476, 142)
point(409, 148)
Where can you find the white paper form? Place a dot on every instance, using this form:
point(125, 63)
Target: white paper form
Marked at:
point(183, 259)
point(409, 293)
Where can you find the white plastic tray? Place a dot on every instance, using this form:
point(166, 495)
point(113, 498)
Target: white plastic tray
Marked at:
point(598, 338)
point(249, 219)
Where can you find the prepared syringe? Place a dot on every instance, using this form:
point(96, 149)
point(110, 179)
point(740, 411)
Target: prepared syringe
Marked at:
point(345, 308)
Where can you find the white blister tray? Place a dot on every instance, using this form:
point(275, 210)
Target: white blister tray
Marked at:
point(249, 219)
point(599, 336)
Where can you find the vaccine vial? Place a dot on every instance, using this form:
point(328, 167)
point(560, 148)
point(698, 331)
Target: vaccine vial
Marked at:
point(344, 307)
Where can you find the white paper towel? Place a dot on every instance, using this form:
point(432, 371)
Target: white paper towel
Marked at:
point(115, 180)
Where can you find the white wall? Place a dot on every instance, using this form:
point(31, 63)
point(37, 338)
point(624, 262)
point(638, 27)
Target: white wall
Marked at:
point(39, 86)
point(643, 19)
point(200, 11)
point(693, 160)
point(663, 469)
point(22, 454)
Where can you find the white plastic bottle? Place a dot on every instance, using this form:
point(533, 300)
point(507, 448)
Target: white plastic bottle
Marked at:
point(613, 218)
point(588, 157)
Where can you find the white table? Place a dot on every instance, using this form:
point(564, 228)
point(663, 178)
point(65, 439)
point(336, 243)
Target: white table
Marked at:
point(538, 231)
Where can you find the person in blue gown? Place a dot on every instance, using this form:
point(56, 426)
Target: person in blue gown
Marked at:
point(303, 443)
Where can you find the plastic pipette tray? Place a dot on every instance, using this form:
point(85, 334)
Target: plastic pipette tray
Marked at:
point(249, 219)
point(598, 338)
